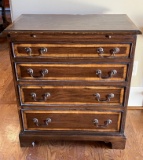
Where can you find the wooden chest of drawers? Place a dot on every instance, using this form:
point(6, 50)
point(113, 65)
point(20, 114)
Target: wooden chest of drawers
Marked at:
point(72, 76)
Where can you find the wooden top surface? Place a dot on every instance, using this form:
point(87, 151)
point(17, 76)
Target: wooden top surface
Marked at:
point(100, 23)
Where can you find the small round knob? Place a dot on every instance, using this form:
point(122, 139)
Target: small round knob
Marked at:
point(46, 95)
point(108, 36)
point(98, 72)
point(95, 121)
point(44, 71)
point(100, 50)
point(43, 50)
point(35, 120)
point(109, 121)
point(33, 95)
point(111, 95)
point(30, 71)
point(48, 120)
point(33, 35)
point(115, 50)
point(114, 72)
point(28, 50)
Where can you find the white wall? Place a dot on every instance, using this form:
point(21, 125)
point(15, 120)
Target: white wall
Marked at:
point(133, 8)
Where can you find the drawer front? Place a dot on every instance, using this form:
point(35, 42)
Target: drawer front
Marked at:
point(47, 95)
point(71, 120)
point(115, 72)
point(71, 50)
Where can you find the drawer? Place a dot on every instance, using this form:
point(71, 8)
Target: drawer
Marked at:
point(115, 72)
point(48, 95)
point(71, 50)
point(71, 120)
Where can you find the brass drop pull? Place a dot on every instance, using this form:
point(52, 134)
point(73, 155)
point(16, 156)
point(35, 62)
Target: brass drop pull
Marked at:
point(108, 97)
point(110, 74)
point(113, 51)
point(28, 50)
point(43, 50)
point(45, 97)
point(106, 123)
point(43, 72)
point(46, 122)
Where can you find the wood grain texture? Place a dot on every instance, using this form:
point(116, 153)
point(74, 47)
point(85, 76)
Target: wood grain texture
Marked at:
point(71, 120)
point(10, 148)
point(71, 72)
point(76, 93)
point(52, 38)
point(6, 83)
point(70, 50)
point(58, 150)
point(71, 95)
point(96, 23)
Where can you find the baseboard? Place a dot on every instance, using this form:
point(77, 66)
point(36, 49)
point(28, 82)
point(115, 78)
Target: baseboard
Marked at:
point(136, 97)
point(134, 108)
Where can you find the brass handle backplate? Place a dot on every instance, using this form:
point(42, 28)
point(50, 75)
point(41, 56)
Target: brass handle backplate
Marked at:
point(108, 97)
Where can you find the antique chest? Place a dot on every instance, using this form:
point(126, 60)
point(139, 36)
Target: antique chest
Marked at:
point(72, 76)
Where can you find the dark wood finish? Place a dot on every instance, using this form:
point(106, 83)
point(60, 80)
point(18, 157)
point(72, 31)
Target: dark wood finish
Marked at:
point(6, 3)
point(100, 24)
point(70, 72)
point(49, 149)
point(71, 120)
point(5, 22)
point(64, 37)
point(116, 141)
point(71, 95)
point(71, 50)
